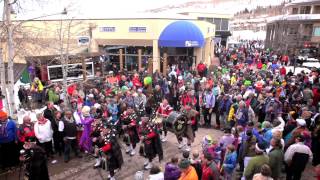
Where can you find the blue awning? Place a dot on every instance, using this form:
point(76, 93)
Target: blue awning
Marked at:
point(181, 34)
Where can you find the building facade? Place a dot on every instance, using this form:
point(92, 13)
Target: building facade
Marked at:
point(221, 21)
point(130, 43)
point(298, 28)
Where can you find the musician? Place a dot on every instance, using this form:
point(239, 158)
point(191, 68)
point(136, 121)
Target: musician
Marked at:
point(151, 143)
point(129, 126)
point(111, 149)
point(163, 111)
point(140, 101)
point(188, 102)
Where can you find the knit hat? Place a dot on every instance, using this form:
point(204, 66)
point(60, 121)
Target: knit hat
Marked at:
point(3, 115)
point(184, 164)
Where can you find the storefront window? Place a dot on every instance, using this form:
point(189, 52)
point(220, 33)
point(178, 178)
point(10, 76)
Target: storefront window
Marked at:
point(137, 29)
point(316, 31)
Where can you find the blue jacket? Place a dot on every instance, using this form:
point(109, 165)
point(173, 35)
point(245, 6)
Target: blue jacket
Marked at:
point(224, 106)
point(10, 132)
point(267, 136)
point(230, 162)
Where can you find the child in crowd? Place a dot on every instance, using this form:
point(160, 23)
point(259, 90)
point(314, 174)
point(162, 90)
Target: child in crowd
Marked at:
point(230, 162)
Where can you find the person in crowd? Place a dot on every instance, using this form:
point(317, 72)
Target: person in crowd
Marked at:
point(224, 108)
point(256, 162)
point(36, 90)
point(209, 168)
point(187, 171)
point(129, 121)
point(35, 160)
point(275, 157)
point(164, 111)
point(155, 173)
point(86, 121)
point(23, 97)
point(201, 68)
point(44, 134)
point(151, 143)
point(68, 130)
point(247, 148)
point(111, 149)
point(208, 106)
point(196, 163)
point(296, 158)
point(172, 171)
point(25, 130)
point(8, 141)
point(265, 173)
point(230, 162)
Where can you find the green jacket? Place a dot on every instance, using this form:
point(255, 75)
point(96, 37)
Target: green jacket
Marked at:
point(254, 165)
point(53, 97)
point(276, 157)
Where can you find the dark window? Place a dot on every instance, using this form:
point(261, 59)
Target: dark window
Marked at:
point(217, 22)
point(201, 18)
point(305, 9)
point(137, 29)
point(224, 24)
point(295, 10)
point(292, 31)
point(210, 20)
point(316, 9)
point(107, 29)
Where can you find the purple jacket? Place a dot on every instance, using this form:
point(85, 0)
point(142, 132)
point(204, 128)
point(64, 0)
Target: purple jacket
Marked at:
point(172, 172)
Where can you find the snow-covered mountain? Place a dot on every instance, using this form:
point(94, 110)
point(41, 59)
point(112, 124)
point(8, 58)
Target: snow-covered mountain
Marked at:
point(218, 6)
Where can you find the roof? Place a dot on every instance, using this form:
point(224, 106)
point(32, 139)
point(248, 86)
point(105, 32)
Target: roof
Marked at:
point(166, 15)
point(302, 2)
point(294, 17)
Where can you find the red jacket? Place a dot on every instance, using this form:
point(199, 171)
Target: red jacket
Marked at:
point(201, 67)
point(283, 71)
point(210, 172)
point(164, 110)
point(136, 82)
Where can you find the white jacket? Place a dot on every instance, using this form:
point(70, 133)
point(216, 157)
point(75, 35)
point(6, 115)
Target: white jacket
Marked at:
point(43, 132)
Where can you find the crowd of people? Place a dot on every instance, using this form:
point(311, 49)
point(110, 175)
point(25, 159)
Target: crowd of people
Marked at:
point(270, 119)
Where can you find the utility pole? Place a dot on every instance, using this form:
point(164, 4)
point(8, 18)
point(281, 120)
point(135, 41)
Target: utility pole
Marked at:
point(8, 25)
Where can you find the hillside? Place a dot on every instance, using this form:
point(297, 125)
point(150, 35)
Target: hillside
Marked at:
point(218, 6)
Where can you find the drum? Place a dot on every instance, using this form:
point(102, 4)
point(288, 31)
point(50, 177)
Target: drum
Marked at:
point(176, 123)
point(157, 120)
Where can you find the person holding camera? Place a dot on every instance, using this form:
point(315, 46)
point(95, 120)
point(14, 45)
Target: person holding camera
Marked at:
point(34, 160)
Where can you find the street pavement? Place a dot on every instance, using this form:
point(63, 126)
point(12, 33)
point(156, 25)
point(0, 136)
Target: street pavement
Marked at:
point(82, 169)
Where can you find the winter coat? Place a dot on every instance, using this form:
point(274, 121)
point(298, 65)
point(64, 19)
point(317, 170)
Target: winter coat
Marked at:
point(189, 174)
point(171, 172)
point(230, 162)
point(275, 157)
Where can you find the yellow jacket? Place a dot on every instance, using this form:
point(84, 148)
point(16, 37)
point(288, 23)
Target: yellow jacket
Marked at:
point(189, 174)
point(39, 86)
point(231, 113)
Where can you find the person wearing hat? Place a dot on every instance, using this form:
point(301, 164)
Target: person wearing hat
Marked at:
point(296, 158)
point(210, 169)
point(8, 139)
point(140, 102)
point(255, 163)
point(300, 128)
point(111, 148)
point(35, 160)
point(187, 171)
point(86, 120)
